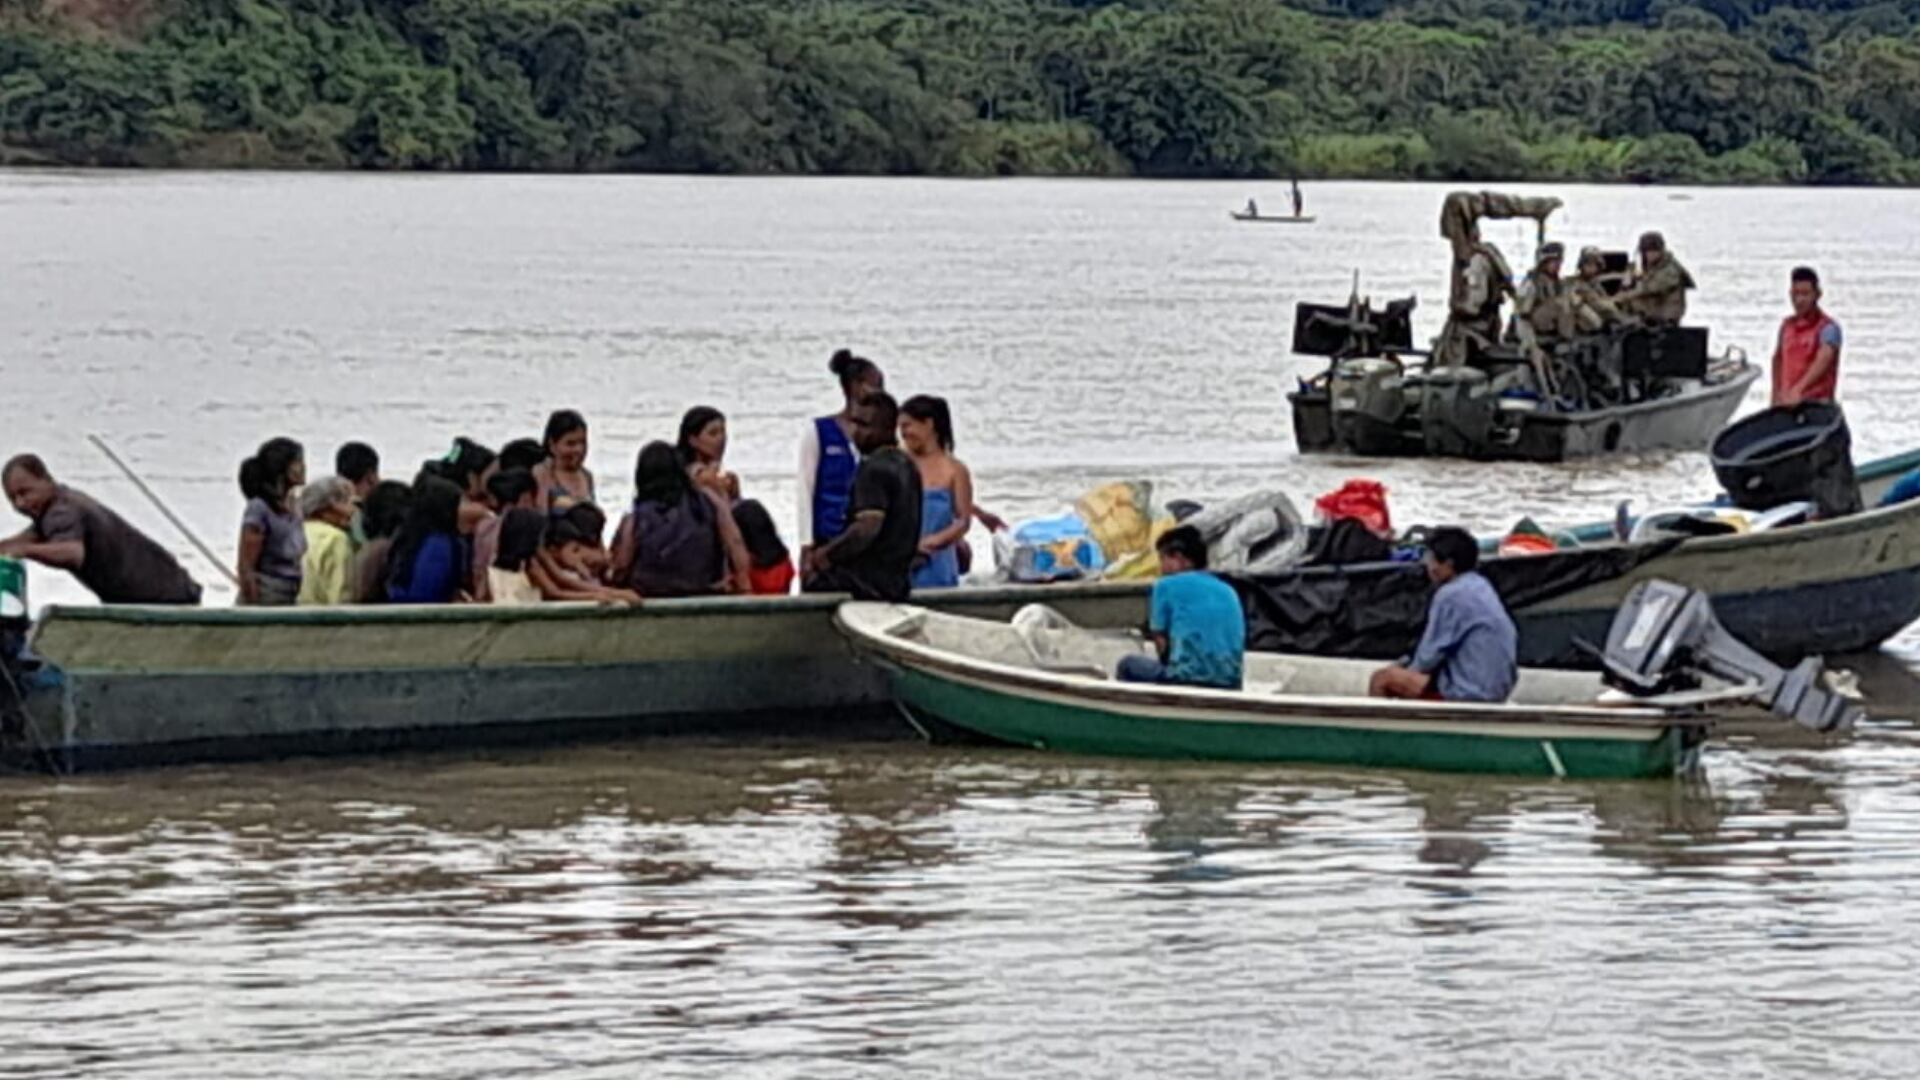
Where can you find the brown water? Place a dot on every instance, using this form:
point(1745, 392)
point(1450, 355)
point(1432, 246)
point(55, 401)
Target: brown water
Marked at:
point(814, 909)
point(688, 909)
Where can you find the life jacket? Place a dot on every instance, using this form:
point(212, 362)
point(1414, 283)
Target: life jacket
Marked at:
point(832, 481)
point(676, 549)
point(1799, 344)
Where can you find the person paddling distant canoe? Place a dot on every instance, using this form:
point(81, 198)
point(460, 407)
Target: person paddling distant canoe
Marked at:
point(1253, 208)
point(1299, 204)
point(71, 532)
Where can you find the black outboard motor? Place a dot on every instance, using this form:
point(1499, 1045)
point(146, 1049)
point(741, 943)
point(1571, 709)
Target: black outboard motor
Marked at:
point(1789, 454)
point(1665, 637)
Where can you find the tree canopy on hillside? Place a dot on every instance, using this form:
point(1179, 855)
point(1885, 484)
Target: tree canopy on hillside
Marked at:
point(1744, 91)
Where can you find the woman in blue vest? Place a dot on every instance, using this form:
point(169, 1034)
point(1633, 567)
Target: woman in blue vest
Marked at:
point(828, 458)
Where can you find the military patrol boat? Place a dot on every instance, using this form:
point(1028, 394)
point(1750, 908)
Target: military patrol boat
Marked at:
point(1578, 375)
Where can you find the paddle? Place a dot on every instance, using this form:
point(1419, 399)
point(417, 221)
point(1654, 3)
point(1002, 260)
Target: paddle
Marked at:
point(206, 552)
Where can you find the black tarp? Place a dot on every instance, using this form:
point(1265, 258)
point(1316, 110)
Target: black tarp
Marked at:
point(1376, 611)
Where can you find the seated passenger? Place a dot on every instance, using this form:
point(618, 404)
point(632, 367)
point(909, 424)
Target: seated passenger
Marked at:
point(507, 490)
point(1467, 652)
point(68, 530)
point(428, 561)
point(521, 454)
point(381, 515)
point(592, 559)
point(1196, 622)
point(703, 450)
point(562, 570)
point(358, 464)
point(771, 572)
point(519, 538)
point(468, 466)
point(563, 477)
point(326, 570)
point(679, 539)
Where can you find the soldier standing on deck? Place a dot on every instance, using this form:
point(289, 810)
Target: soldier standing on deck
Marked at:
point(1479, 280)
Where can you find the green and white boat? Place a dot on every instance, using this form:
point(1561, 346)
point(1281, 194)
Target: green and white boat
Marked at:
point(1038, 681)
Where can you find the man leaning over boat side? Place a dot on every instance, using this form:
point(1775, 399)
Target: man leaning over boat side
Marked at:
point(1196, 623)
point(1468, 650)
point(71, 532)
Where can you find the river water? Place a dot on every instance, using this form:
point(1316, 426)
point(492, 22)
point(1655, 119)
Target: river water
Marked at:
point(823, 909)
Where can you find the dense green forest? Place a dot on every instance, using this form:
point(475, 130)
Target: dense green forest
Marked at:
point(1743, 91)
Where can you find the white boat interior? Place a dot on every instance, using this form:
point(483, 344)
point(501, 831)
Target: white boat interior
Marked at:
point(1039, 640)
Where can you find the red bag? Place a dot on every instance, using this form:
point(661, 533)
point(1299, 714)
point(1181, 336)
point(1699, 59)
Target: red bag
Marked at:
point(1363, 500)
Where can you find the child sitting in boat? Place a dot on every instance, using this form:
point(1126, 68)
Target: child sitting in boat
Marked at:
point(1468, 650)
point(771, 572)
point(522, 530)
point(569, 564)
point(1196, 622)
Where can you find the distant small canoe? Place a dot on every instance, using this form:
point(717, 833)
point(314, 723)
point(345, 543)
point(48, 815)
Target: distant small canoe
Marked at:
point(993, 679)
point(1264, 219)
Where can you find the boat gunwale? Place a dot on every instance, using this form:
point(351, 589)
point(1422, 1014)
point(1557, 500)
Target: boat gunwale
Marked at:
point(1741, 381)
point(1615, 721)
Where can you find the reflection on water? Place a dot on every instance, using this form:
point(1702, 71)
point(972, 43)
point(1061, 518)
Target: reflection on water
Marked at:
point(811, 909)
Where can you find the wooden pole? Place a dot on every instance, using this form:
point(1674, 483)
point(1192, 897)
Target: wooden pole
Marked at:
point(100, 444)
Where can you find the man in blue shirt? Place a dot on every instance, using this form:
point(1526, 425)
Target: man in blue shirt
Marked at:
point(1467, 652)
point(1196, 622)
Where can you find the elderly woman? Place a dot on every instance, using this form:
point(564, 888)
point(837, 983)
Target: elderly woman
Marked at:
point(326, 570)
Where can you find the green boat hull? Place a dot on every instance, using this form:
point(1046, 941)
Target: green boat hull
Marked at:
point(1026, 720)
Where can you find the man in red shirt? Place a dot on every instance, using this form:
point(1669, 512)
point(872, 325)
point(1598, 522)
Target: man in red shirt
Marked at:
point(1806, 361)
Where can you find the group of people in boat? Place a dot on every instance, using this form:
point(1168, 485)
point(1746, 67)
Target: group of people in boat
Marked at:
point(885, 508)
point(1468, 650)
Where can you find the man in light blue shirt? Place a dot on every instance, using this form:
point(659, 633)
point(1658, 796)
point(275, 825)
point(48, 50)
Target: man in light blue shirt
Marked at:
point(1468, 650)
point(1196, 622)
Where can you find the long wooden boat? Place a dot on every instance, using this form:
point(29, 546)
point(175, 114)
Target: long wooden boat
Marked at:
point(990, 679)
point(134, 685)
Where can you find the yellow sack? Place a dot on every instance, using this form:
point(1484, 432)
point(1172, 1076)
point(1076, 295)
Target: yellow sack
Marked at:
point(1143, 565)
point(1120, 517)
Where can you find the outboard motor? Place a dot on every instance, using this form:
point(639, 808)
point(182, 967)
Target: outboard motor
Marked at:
point(1665, 637)
point(1368, 402)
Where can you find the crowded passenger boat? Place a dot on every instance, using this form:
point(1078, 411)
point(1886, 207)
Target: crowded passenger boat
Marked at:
point(885, 508)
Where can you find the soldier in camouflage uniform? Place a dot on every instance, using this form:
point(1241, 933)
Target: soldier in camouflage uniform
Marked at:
point(1587, 300)
point(1540, 307)
point(1658, 294)
point(1479, 280)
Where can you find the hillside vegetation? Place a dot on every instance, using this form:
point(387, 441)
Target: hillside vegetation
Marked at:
point(1731, 91)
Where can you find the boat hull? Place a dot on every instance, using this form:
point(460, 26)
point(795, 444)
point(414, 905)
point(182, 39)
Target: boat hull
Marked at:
point(139, 686)
point(1439, 743)
point(1683, 422)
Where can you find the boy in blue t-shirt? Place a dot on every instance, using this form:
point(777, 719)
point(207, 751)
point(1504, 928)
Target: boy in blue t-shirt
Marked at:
point(1196, 623)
